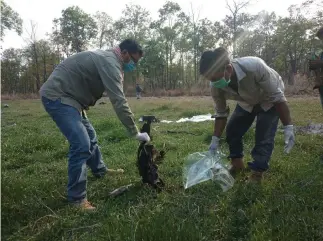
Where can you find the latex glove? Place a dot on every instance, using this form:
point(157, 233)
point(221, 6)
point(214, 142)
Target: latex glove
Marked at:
point(214, 144)
point(289, 137)
point(143, 137)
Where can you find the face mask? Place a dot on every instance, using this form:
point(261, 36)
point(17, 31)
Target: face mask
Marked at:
point(129, 66)
point(221, 83)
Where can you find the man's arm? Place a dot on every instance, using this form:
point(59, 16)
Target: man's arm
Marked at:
point(111, 77)
point(283, 112)
point(271, 83)
point(317, 66)
point(219, 125)
point(222, 111)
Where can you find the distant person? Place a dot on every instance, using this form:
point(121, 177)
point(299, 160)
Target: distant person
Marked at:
point(317, 66)
point(259, 92)
point(73, 86)
point(138, 91)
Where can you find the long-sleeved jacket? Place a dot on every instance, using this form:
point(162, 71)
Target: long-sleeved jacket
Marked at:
point(81, 79)
point(257, 84)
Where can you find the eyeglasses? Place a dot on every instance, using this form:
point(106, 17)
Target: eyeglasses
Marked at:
point(133, 59)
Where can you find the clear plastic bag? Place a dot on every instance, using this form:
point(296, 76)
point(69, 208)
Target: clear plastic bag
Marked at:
point(202, 166)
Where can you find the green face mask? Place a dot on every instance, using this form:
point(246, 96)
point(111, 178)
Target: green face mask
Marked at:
point(222, 83)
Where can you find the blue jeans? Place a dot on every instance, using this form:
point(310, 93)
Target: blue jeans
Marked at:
point(266, 127)
point(84, 150)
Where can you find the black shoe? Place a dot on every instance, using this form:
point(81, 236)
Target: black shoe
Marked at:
point(100, 173)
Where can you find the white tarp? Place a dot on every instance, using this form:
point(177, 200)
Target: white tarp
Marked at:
point(197, 118)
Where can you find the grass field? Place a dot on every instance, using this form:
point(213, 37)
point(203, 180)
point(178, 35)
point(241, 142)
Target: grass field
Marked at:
point(287, 206)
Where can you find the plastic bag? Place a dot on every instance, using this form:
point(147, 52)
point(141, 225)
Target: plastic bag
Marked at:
point(202, 166)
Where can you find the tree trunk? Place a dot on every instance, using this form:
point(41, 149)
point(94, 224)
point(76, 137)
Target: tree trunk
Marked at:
point(167, 66)
point(234, 35)
point(170, 66)
point(37, 74)
point(44, 66)
point(292, 72)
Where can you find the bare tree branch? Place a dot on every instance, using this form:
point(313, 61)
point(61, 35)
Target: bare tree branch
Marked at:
point(31, 34)
point(229, 7)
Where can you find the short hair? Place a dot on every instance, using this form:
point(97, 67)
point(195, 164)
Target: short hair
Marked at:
point(132, 46)
point(319, 33)
point(214, 61)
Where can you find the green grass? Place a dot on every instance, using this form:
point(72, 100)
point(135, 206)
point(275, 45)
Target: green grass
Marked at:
point(287, 206)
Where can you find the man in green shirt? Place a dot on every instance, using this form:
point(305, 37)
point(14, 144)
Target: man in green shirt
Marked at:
point(77, 83)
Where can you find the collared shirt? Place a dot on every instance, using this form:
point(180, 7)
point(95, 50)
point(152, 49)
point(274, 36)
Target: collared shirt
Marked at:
point(257, 84)
point(81, 79)
point(117, 52)
point(317, 66)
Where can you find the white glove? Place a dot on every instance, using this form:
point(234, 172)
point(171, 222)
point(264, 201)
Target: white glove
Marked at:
point(143, 137)
point(214, 144)
point(289, 137)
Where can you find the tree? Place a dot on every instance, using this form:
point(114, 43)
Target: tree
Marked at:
point(167, 26)
point(10, 20)
point(153, 64)
point(47, 58)
point(76, 28)
point(195, 35)
point(172, 44)
point(205, 35)
point(182, 44)
point(60, 47)
point(10, 70)
point(105, 26)
point(237, 20)
point(31, 51)
point(259, 41)
point(135, 22)
point(292, 41)
point(267, 26)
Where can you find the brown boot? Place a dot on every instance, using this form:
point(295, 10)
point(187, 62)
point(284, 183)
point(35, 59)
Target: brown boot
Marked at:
point(85, 205)
point(256, 177)
point(237, 166)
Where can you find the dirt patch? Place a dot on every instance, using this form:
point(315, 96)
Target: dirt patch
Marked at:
point(313, 129)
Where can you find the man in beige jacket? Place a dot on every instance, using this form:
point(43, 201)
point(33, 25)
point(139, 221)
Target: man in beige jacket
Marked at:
point(259, 91)
point(317, 67)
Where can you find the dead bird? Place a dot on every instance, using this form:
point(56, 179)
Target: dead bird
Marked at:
point(148, 158)
point(120, 190)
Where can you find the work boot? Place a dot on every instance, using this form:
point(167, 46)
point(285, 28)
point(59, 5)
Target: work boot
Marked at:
point(237, 166)
point(115, 171)
point(85, 205)
point(256, 177)
point(100, 172)
point(105, 171)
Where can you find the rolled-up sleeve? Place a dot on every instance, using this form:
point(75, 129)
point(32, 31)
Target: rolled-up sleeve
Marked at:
point(270, 82)
point(112, 77)
point(221, 107)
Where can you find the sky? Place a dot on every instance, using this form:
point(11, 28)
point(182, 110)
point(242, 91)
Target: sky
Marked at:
point(42, 12)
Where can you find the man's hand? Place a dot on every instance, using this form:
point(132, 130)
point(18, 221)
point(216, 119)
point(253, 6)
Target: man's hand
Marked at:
point(143, 137)
point(214, 144)
point(284, 115)
point(219, 126)
point(289, 137)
